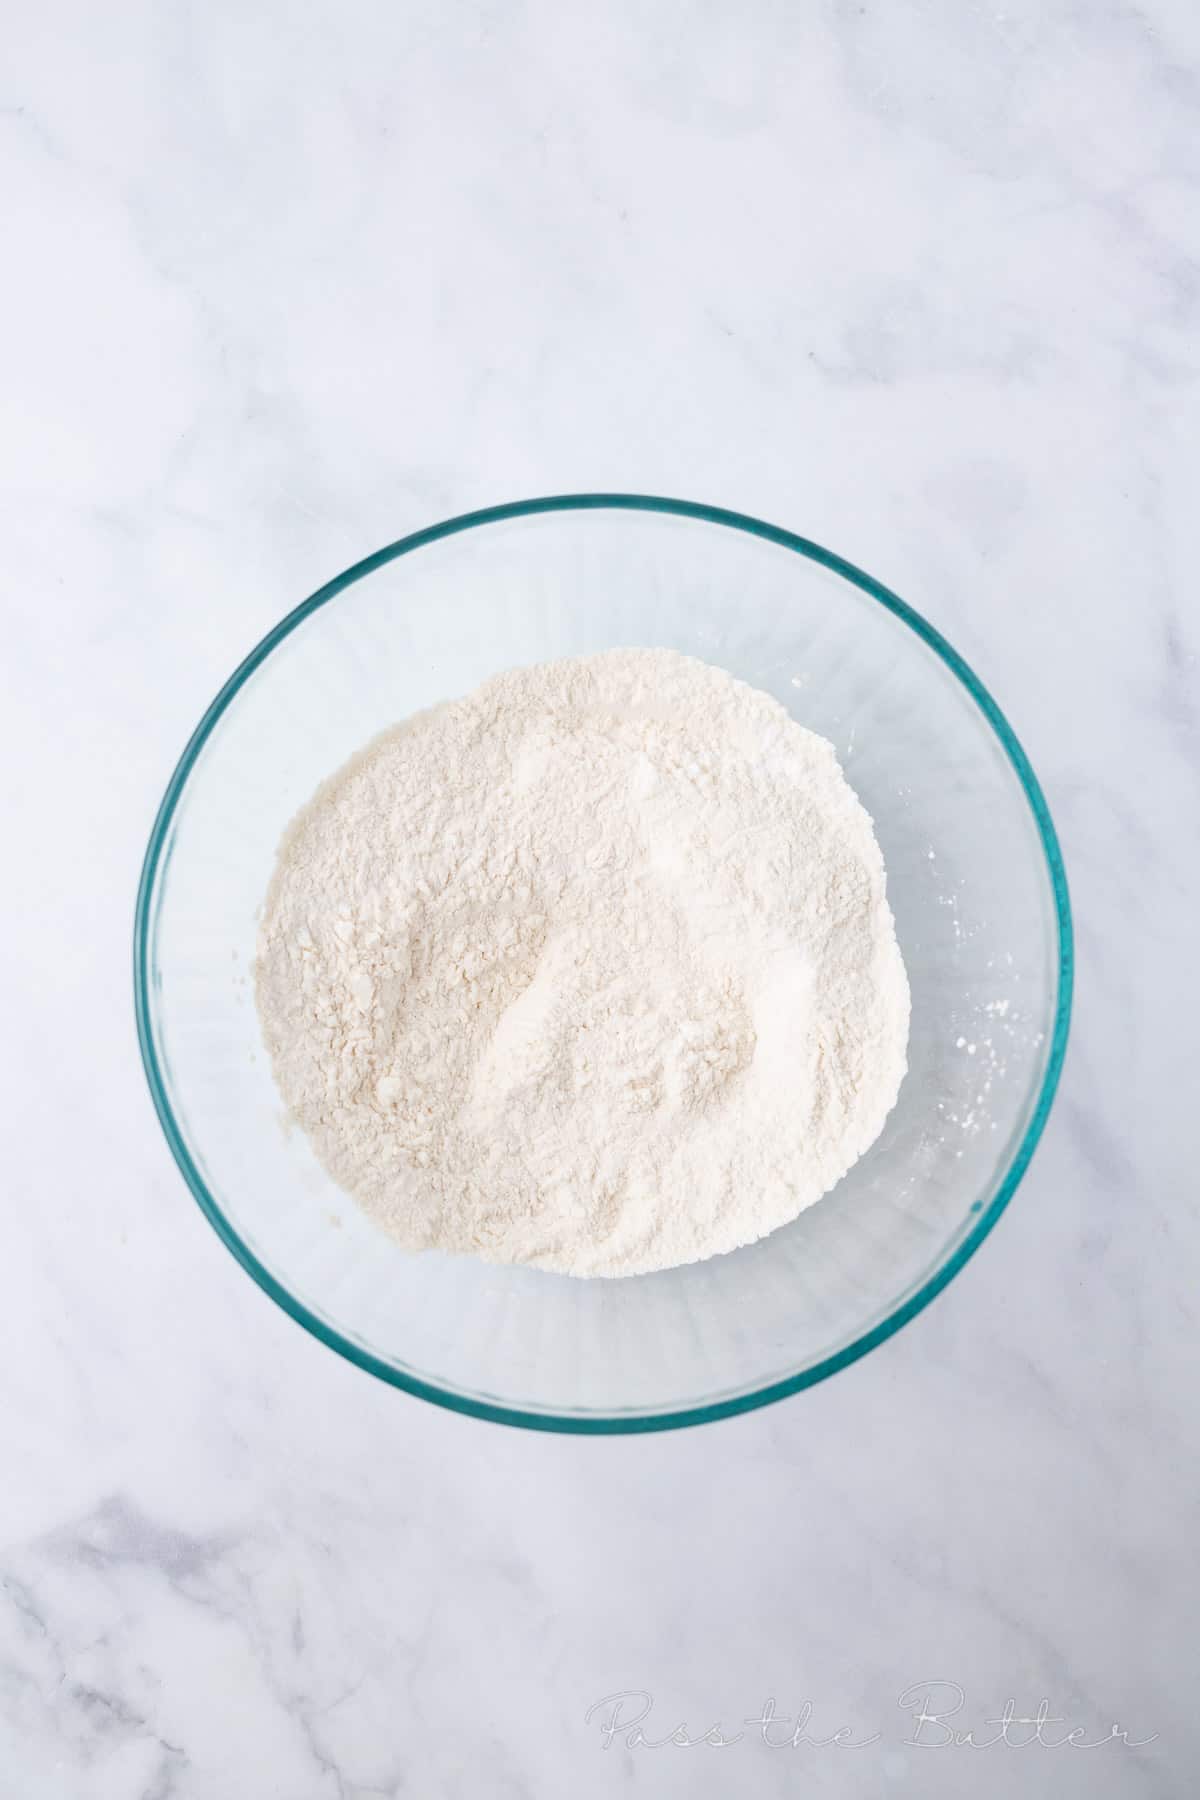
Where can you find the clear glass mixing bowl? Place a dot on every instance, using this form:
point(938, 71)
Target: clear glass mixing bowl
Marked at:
point(975, 881)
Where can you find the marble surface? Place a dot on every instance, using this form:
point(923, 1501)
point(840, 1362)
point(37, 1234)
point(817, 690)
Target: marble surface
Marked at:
point(284, 282)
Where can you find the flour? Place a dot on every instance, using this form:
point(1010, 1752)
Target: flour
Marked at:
point(593, 969)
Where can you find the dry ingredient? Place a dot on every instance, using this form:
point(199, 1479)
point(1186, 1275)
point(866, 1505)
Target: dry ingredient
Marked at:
point(593, 969)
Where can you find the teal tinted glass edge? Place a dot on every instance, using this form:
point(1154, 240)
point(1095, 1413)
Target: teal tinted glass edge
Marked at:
point(610, 1423)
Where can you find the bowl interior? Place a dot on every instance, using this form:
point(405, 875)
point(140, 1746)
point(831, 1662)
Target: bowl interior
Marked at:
point(973, 878)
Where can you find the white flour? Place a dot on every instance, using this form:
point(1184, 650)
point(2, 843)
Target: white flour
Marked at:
point(593, 969)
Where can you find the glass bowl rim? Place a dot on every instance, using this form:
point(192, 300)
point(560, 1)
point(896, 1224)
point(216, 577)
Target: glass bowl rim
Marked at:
point(595, 1424)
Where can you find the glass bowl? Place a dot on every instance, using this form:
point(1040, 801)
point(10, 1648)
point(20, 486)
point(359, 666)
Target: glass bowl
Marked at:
point(975, 881)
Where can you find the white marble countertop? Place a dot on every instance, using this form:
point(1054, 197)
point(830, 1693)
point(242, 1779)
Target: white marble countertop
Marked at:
point(285, 282)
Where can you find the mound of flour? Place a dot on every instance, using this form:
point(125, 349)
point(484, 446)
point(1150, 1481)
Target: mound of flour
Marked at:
point(593, 969)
